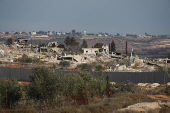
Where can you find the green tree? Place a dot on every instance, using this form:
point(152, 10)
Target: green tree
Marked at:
point(10, 92)
point(85, 67)
point(24, 58)
point(67, 41)
point(42, 45)
point(168, 55)
point(9, 41)
point(62, 46)
point(73, 42)
point(113, 48)
point(99, 68)
point(53, 45)
point(101, 84)
point(44, 85)
point(6, 32)
point(98, 45)
point(84, 44)
point(107, 85)
point(64, 64)
point(80, 86)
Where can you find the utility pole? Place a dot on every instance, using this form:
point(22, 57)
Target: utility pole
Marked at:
point(126, 49)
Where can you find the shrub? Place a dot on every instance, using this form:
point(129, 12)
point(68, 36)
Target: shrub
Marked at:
point(64, 63)
point(136, 65)
point(85, 67)
point(99, 67)
point(167, 90)
point(28, 60)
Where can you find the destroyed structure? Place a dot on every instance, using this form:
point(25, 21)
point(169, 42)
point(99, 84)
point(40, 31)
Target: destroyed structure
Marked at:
point(52, 54)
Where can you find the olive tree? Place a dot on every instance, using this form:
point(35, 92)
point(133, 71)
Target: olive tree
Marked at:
point(10, 92)
point(43, 84)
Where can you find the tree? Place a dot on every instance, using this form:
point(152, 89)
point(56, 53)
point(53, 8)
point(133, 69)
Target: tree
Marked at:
point(64, 64)
point(44, 85)
point(6, 32)
point(85, 67)
point(79, 87)
point(53, 45)
point(98, 45)
point(67, 40)
point(42, 45)
point(101, 83)
point(84, 44)
point(62, 46)
point(9, 41)
point(113, 48)
point(73, 42)
point(10, 92)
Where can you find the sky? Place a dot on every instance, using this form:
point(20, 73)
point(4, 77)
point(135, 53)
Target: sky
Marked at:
point(93, 16)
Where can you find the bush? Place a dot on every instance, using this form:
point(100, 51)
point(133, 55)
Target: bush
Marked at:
point(85, 67)
point(136, 65)
point(99, 67)
point(28, 60)
point(167, 90)
point(64, 63)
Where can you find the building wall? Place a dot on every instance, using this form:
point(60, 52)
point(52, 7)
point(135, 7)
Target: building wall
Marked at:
point(90, 50)
point(23, 74)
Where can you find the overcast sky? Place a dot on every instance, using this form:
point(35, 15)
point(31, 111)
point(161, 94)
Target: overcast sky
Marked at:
point(94, 16)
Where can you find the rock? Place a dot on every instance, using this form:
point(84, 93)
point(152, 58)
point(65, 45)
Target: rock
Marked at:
point(121, 68)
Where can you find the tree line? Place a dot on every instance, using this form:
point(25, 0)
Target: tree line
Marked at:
point(48, 90)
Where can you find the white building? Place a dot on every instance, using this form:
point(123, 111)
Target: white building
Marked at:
point(104, 49)
point(90, 50)
point(33, 33)
point(84, 32)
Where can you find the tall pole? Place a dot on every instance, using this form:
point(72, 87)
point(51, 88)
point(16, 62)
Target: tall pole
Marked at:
point(126, 49)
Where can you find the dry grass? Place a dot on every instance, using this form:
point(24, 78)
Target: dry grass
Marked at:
point(107, 105)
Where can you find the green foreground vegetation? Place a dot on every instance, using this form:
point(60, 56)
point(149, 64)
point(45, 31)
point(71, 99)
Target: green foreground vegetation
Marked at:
point(71, 93)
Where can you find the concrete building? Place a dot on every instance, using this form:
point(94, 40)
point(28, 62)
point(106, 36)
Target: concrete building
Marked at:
point(51, 44)
point(104, 49)
point(33, 33)
point(90, 50)
point(84, 32)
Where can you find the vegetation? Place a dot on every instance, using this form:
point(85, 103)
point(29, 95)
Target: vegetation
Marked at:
point(85, 67)
point(72, 44)
point(26, 59)
point(98, 45)
point(84, 44)
point(62, 46)
point(10, 92)
point(51, 93)
point(42, 45)
point(64, 63)
point(53, 45)
point(9, 41)
point(88, 66)
point(113, 48)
